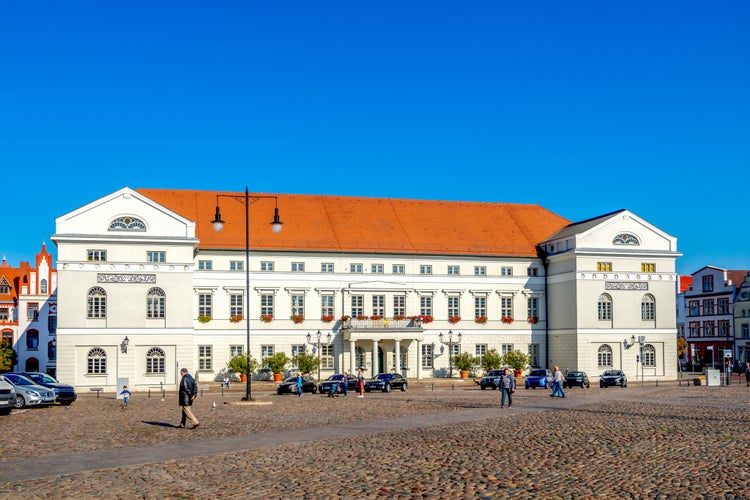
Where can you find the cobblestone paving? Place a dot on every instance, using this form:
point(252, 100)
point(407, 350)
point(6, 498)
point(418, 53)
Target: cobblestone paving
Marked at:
point(666, 442)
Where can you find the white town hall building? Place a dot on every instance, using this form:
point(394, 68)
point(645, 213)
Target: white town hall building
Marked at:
point(146, 286)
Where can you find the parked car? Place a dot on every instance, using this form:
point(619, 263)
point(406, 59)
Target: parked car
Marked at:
point(613, 377)
point(385, 382)
point(491, 379)
point(289, 385)
point(325, 386)
point(576, 378)
point(28, 392)
point(66, 394)
point(7, 397)
point(538, 378)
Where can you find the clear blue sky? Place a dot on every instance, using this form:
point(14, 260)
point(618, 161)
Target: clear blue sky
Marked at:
point(582, 107)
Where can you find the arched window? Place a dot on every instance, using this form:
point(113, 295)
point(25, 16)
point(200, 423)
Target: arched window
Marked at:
point(604, 307)
point(7, 337)
point(155, 360)
point(625, 239)
point(155, 303)
point(32, 340)
point(32, 365)
point(648, 307)
point(97, 361)
point(97, 303)
point(127, 224)
point(43, 286)
point(649, 355)
point(604, 356)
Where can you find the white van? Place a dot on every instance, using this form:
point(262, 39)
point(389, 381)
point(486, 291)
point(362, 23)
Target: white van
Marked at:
point(7, 397)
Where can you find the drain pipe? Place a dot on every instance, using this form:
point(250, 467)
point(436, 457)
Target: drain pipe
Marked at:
point(543, 255)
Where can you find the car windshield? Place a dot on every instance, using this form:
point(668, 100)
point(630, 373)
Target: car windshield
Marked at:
point(18, 380)
point(44, 379)
point(538, 373)
point(383, 376)
point(611, 373)
point(335, 377)
point(495, 373)
point(291, 379)
point(575, 374)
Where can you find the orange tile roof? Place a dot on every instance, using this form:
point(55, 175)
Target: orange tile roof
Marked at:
point(358, 224)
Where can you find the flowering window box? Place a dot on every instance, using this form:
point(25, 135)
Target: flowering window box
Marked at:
point(204, 319)
point(362, 316)
point(426, 319)
point(326, 318)
point(454, 319)
point(398, 316)
point(506, 319)
point(297, 318)
point(266, 318)
point(533, 319)
point(345, 317)
point(376, 317)
point(480, 319)
point(236, 318)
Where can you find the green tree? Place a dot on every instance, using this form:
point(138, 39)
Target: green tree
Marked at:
point(8, 357)
point(492, 360)
point(277, 362)
point(238, 364)
point(516, 360)
point(306, 363)
point(464, 361)
point(681, 347)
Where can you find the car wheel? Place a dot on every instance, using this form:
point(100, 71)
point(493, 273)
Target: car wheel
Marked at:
point(5, 411)
point(279, 392)
point(66, 403)
point(602, 386)
point(387, 388)
point(403, 388)
point(587, 386)
point(20, 402)
point(367, 389)
point(483, 387)
point(315, 390)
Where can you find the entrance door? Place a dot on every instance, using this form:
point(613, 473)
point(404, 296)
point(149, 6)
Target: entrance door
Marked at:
point(380, 360)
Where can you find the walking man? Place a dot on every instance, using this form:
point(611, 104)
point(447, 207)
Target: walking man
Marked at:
point(507, 388)
point(188, 391)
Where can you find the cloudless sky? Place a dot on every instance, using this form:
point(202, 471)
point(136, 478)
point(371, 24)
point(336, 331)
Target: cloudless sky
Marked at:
point(582, 107)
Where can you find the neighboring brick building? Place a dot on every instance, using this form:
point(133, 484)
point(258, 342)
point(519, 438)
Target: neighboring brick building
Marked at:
point(28, 312)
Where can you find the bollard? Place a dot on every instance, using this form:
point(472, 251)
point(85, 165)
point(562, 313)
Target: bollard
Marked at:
point(433, 387)
point(149, 393)
point(657, 382)
point(453, 387)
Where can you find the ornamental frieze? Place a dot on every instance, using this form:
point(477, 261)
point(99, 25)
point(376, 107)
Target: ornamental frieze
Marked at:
point(125, 278)
point(626, 285)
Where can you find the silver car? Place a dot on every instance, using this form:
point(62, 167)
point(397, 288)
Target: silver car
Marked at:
point(27, 392)
point(7, 397)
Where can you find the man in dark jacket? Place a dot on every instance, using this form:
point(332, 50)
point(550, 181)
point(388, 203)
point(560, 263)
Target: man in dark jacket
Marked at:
point(188, 391)
point(507, 388)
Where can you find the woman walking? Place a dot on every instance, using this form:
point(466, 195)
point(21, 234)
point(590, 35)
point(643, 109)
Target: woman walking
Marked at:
point(507, 388)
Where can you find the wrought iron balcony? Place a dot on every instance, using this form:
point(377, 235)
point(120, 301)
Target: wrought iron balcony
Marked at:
point(388, 323)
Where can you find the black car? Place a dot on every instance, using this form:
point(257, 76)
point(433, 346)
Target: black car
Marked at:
point(289, 385)
point(325, 386)
point(576, 379)
point(385, 382)
point(491, 379)
point(66, 394)
point(613, 377)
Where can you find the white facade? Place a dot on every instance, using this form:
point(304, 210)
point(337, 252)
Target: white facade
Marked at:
point(211, 282)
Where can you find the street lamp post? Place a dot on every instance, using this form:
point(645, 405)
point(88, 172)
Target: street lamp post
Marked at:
point(450, 343)
point(641, 344)
point(317, 343)
point(276, 226)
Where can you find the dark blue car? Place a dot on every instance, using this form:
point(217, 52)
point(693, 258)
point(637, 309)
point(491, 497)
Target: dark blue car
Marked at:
point(385, 382)
point(538, 378)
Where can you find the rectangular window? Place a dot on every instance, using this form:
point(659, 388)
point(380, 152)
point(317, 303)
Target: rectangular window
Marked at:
point(425, 269)
point(358, 306)
point(454, 307)
point(377, 269)
point(708, 307)
point(326, 267)
point(298, 349)
point(694, 329)
point(533, 307)
point(604, 267)
point(399, 269)
point(648, 267)
point(480, 307)
point(378, 305)
point(506, 348)
point(326, 357)
point(506, 307)
point(506, 271)
point(722, 306)
point(724, 328)
point(298, 267)
point(427, 356)
point(454, 270)
point(156, 256)
point(205, 265)
point(32, 311)
point(4, 314)
point(266, 266)
point(479, 351)
point(745, 330)
point(97, 255)
point(236, 265)
point(4, 289)
point(532, 271)
point(236, 303)
point(708, 283)
point(708, 328)
point(298, 305)
point(399, 305)
point(266, 351)
point(355, 268)
point(266, 305)
point(454, 350)
point(480, 270)
point(425, 305)
point(205, 354)
point(693, 308)
point(326, 305)
point(52, 324)
point(204, 305)
point(534, 353)
point(7, 338)
point(236, 350)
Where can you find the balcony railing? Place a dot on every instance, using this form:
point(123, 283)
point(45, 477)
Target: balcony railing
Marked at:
point(354, 323)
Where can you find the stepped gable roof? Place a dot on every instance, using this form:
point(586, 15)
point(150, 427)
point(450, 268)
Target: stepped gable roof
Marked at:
point(360, 224)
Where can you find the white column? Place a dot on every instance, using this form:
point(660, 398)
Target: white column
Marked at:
point(419, 360)
point(398, 356)
point(352, 356)
point(375, 357)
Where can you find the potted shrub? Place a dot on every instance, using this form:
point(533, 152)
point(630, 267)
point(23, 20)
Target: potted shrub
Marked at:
point(517, 360)
point(276, 364)
point(463, 363)
point(306, 363)
point(238, 364)
point(492, 360)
